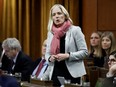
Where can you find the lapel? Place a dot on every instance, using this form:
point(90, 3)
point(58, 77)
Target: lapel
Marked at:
point(18, 61)
point(35, 64)
point(67, 39)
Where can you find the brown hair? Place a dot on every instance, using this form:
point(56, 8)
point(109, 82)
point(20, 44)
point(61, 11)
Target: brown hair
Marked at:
point(111, 36)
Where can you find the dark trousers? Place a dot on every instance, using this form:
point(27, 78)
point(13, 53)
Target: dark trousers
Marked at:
point(60, 69)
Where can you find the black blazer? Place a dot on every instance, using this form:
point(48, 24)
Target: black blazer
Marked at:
point(35, 64)
point(5, 63)
point(23, 64)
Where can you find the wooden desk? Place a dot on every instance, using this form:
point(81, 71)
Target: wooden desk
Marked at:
point(39, 82)
point(103, 72)
point(88, 62)
point(94, 75)
point(26, 84)
point(71, 85)
point(94, 72)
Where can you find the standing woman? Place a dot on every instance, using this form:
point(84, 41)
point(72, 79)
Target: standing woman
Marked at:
point(95, 49)
point(66, 47)
point(108, 44)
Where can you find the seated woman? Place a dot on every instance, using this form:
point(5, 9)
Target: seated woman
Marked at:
point(108, 44)
point(110, 80)
point(95, 49)
point(112, 65)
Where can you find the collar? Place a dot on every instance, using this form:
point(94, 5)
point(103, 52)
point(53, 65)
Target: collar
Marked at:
point(45, 59)
point(14, 59)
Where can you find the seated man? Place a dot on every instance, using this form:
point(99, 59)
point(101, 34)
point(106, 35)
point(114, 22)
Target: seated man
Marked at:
point(14, 60)
point(40, 65)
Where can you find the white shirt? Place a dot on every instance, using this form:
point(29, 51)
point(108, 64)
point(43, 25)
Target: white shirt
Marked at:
point(45, 65)
point(14, 60)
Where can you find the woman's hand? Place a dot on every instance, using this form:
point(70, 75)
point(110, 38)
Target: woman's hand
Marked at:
point(62, 56)
point(59, 57)
point(53, 58)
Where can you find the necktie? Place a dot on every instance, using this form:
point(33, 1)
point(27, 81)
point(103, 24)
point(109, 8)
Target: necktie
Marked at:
point(40, 67)
point(11, 66)
point(12, 63)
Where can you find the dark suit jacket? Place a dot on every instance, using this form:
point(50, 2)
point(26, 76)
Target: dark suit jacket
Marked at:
point(5, 63)
point(35, 64)
point(23, 64)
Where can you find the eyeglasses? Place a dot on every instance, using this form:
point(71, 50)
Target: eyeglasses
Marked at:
point(111, 60)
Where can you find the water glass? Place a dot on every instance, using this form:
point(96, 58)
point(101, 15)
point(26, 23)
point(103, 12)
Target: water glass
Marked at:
point(18, 76)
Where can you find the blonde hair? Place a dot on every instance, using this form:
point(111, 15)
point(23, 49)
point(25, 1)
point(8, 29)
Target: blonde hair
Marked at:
point(50, 22)
point(98, 50)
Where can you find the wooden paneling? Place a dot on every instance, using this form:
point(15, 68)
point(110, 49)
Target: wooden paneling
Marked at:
point(89, 18)
point(107, 15)
point(98, 15)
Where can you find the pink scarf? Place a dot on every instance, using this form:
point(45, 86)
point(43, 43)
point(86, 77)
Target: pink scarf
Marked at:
point(58, 33)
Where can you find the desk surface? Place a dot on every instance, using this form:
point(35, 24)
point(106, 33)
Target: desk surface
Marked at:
point(41, 82)
point(26, 84)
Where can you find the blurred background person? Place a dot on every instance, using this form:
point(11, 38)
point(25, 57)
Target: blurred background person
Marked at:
point(95, 49)
point(112, 65)
point(110, 80)
point(40, 65)
point(108, 44)
point(15, 60)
